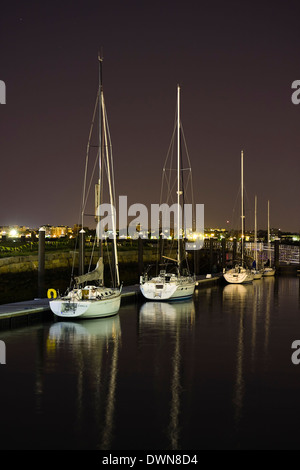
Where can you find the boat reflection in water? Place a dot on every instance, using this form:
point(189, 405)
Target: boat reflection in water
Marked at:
point(236, 295)
point(94, 343)
point(168, 318)
point(167, 313)
point(102, 328)
point(251, 304)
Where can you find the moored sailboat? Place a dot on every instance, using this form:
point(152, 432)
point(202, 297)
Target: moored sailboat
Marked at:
point(168, 285)
point(88, 297)
point(240, 274)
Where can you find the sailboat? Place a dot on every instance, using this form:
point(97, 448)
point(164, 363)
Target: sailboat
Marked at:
point(167, 285)
point(269, 270)
point(239, 273)
point(257, 273)
point(88, 297)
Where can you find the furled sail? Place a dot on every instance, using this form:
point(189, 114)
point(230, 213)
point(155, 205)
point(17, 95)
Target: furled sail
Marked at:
point(96, 274)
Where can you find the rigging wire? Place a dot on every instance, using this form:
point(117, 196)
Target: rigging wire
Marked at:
point(168, 183)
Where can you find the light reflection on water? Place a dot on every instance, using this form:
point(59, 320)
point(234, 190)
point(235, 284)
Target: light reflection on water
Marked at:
point(168, 317)
point(210, 373)
point(91, 340)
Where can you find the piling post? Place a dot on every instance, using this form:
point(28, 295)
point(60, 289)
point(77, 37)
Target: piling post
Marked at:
point(41, 263)
point(223, 244)
point(140, 256)
point(196, 262)
point(81, 252)
point(276, 254)
point(160, 249)
point(234, 249)
point(211, 253)
point(113, 261)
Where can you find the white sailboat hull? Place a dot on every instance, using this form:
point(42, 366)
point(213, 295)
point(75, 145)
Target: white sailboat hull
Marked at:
point(269, 272)
point(241, 276)
point(74, 307)
point(257, 274)
point(177, 289)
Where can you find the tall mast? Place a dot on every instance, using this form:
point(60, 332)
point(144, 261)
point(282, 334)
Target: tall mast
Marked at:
point(255, 231)
point(100, 111)
point(105, 152)
point(100, 151)
point(269, 244)
point(178, 176)
point(111, 196)
point(242, 203)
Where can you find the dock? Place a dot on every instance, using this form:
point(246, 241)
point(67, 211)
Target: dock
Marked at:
point(29, 311)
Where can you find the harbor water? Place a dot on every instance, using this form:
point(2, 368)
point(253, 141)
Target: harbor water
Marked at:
point(215, 372)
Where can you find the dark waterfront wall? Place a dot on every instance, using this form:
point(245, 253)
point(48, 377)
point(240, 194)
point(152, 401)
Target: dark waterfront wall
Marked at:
point(24, 285)
point(20, 275)
point(142, 253)
point(211, 258)
point(19, 264)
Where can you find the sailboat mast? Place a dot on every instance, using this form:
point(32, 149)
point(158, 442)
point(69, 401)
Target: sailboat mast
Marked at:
point(100, 113)
point(242, 203)
point(111, 196)
point(269, 244)
point(255, 231)
point(178, 176)
point(98, 187)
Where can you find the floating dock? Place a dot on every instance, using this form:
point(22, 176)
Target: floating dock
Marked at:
point(29, 311)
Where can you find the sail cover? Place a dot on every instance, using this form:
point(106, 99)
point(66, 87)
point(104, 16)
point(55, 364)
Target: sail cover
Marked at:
point(95, 275)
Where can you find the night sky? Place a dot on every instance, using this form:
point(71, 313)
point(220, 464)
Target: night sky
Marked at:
point(235, 63)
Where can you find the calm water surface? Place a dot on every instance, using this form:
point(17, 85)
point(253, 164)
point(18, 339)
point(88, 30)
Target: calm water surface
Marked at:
point(212, 373)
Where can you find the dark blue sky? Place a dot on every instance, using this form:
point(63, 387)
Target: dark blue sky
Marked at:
point(235, 62)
